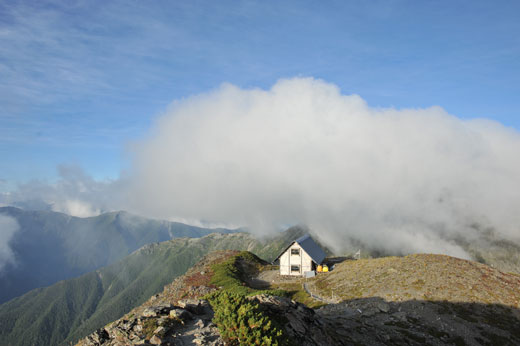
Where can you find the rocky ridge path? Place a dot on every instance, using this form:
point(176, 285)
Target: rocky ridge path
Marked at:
point(188, 323)
point(178, 316)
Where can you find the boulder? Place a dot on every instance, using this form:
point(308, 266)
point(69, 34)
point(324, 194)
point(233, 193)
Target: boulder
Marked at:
point(98, 337)
point(159, 331)
point(199, 323)
point(155, 340)
point(180, 314)
point(127, 325)
point(195, 306)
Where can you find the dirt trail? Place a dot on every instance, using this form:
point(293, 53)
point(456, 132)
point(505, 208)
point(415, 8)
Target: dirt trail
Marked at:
point(266, 278)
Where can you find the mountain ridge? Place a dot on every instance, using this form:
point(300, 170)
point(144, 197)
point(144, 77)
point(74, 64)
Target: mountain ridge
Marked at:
point(374, 319)
point(69, 310)
point(51, 246)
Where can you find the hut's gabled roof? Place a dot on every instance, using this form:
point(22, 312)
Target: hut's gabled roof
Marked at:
point(308, 245)
point(313, 249)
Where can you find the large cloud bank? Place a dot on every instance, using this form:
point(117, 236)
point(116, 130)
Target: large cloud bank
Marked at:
point(402, 181)
point(301, 152)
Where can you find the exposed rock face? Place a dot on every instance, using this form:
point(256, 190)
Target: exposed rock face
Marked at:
point(97, 338)
point(373, 321)
point(301, 324)
point(168, 318)
point(162, 325)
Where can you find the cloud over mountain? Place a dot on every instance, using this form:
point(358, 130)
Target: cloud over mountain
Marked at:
point(408, 180)
point(74, 193)
point(302, 152)
point(8, 227)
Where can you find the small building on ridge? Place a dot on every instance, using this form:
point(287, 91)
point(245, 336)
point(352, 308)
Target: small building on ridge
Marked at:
point(303, 255)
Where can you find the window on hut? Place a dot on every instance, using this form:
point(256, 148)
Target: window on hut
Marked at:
point(295, 268)
point(295, 251)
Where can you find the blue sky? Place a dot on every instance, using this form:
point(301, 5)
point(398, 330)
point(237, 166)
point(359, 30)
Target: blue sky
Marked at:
point(79, 80)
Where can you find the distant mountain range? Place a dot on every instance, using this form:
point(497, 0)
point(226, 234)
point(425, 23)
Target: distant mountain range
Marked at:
point(70, 309)
point(50, 246)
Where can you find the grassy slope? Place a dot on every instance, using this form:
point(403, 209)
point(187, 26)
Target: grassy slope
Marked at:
point(74, 308)
point(421, 277)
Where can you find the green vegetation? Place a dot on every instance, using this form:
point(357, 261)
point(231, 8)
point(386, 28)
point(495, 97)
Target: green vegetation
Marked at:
point(52, 246)
point(232, 275)
point(241, 322)
point(229, 276)
point(238, 318)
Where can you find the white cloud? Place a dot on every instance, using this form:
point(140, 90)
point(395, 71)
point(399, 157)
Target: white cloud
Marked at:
point(304, 153)
point(74, 193)
point(8, 227)
point(76, 207)
point(401, 181)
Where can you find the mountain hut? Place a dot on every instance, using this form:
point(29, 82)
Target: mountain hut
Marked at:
point(303, 255)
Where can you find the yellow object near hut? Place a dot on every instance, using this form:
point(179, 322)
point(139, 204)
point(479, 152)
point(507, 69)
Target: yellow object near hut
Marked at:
point(320, 269)
point(325, 268)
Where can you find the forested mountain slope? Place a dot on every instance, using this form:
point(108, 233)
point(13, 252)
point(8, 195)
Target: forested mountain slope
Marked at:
point(50, 246)
point(73, 308)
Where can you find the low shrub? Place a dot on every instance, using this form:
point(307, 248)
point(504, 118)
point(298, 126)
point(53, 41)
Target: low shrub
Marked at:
point(227, 276)
point(241, 322)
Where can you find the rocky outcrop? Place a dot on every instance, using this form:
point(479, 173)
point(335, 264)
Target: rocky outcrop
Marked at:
point(188, 323)
point(374, 321)
point(370, 321)
point(301, 324)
